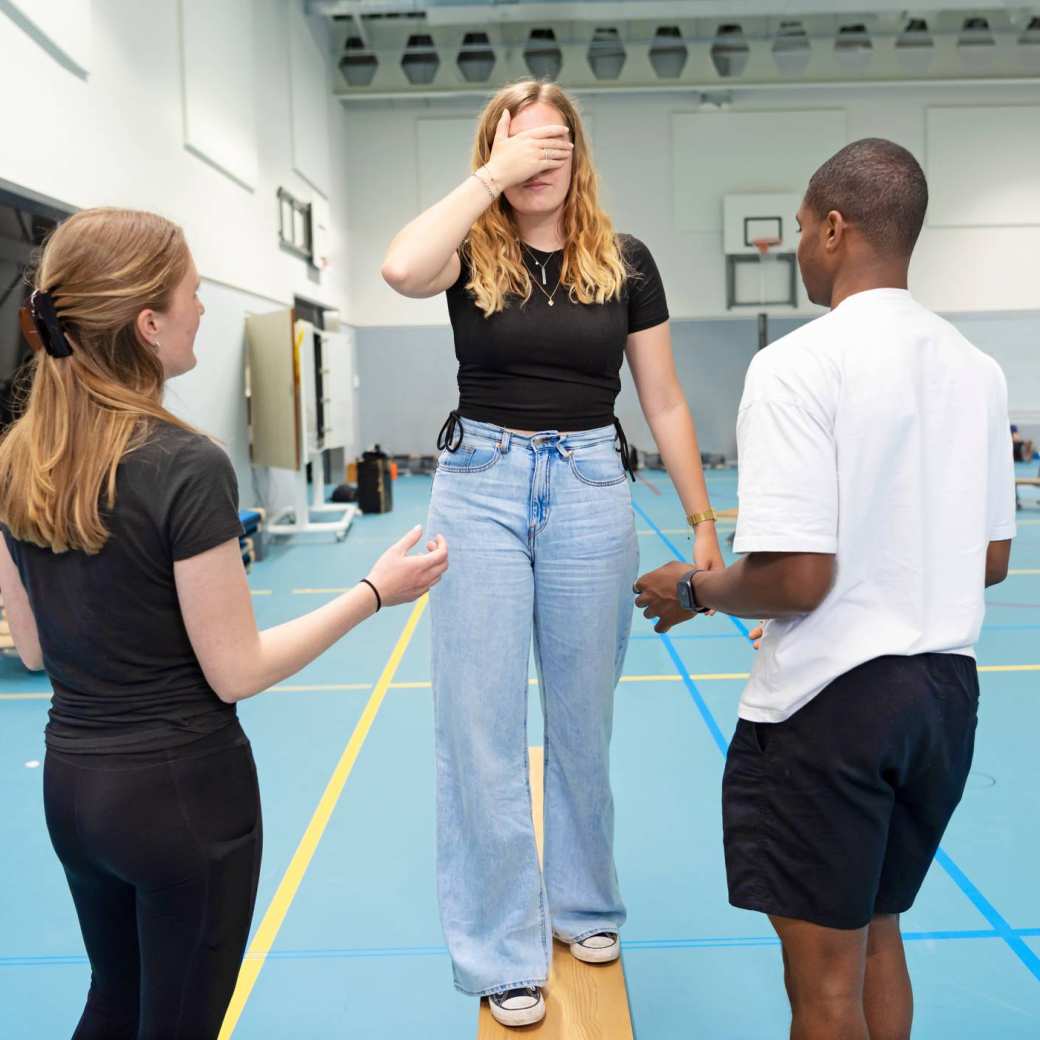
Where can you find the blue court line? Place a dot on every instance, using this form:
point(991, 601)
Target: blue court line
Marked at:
point(631, 945)
point(721, 635)
point(698, 700)
point(1024, 953)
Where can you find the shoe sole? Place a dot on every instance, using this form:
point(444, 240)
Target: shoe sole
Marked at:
point(605, 956)
point(528, 1017)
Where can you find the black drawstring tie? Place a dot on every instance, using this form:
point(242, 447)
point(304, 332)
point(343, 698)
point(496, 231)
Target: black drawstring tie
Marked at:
point(450, 437)
point(626, 453)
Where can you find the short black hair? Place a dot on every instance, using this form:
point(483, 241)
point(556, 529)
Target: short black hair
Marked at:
point(878, 186)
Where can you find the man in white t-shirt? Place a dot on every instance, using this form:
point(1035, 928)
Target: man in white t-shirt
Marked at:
point(876, 504)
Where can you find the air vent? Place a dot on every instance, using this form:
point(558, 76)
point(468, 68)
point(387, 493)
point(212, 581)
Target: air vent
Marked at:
point(668, 53)
point(791, 48)
point(730, 51)
point(606, 53)
point(543, 57)
point(421, 60)
point(357, 65)
point(853, 46)
point(476, 58)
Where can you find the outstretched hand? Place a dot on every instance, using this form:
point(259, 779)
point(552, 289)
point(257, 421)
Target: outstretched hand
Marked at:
point(401, 578)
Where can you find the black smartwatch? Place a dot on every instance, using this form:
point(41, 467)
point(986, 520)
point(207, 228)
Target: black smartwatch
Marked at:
point(687, 597)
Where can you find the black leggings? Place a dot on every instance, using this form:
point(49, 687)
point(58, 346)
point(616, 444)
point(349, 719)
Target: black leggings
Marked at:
point(162, 854)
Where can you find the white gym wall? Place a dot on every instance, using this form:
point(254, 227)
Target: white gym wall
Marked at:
point(199, 111)
point(664, 167)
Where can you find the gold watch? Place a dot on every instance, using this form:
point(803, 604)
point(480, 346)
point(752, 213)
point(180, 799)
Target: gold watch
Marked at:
point(693, 519)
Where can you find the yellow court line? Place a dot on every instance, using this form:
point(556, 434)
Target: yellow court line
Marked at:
point(319, 592)
point(261, 592)
point(1024, 570)
point(290, 883)
point(25, 696)
point(318, 687)
point(1009, 667)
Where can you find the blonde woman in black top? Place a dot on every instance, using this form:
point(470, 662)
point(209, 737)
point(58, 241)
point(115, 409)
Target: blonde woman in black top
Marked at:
point(546, 301)
point(122, 577)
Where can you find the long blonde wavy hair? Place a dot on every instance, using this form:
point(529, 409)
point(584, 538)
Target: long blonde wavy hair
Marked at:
point(84, 412)
point(594, 270)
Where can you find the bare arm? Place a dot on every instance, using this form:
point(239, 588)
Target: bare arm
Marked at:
point(240, 661)
point(422, 260)
point(760, 585)
point(768, 585)
point(998, 555)
point(19, 613)
point(652, 363)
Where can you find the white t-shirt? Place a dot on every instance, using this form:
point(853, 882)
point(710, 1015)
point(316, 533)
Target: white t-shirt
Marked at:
point(880, 434)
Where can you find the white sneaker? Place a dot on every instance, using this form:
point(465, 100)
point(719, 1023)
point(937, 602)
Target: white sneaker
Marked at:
point(597, 949)
point(518, 1007)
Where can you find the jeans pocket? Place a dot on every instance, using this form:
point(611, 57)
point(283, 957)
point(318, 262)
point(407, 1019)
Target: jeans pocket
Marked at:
point(598, 467)
point(470, 458)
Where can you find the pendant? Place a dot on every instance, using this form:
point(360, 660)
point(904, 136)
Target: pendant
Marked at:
point(543, 276)
point(550, 303)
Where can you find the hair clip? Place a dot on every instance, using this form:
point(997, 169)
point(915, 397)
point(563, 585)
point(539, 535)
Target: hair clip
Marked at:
point(42, 327)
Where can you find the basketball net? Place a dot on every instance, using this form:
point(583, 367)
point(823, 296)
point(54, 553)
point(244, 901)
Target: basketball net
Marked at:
point(763, 245)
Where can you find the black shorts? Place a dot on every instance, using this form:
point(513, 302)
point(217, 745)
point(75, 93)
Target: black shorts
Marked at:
point(834, 815)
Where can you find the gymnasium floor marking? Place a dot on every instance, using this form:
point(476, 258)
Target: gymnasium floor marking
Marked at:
point(290, 883)
point(681, 965)
point(1020, 949)
point(425, 684)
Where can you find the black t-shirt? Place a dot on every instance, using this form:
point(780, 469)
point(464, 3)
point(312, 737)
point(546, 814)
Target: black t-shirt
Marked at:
point(124, 674)
point(535, 367)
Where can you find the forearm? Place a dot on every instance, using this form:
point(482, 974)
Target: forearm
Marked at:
point(758, 586)
point(676, 438)
point(283, 650)
point(419, 252)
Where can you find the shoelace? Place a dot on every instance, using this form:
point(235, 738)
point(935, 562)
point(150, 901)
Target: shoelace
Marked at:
point(525, 991)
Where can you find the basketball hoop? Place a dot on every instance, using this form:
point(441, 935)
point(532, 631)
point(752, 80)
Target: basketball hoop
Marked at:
point(763, 245)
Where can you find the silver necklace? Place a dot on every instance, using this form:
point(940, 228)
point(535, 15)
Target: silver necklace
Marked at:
point(539, 263)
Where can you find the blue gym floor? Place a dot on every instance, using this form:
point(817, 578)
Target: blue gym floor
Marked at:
point(360, 954)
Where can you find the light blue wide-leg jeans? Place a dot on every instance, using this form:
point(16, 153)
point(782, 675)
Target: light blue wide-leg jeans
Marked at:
point(542, 549)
